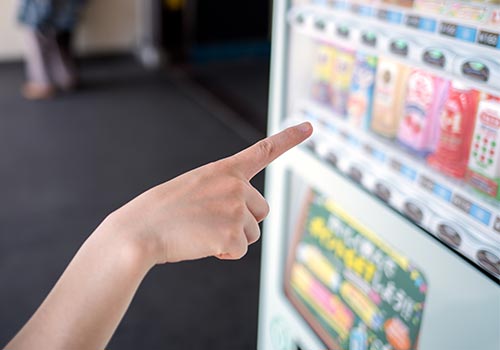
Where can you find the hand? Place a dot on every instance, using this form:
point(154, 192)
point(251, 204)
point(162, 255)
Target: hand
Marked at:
point(210, 211)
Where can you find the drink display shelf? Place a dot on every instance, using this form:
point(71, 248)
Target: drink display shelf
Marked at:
point(480, 67)
point(458, 216)
point(466, 22)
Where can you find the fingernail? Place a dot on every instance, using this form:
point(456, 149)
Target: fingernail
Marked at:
point(305, 127)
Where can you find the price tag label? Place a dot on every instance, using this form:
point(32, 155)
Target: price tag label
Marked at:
point(403, 169)
point(368, 149)
point(461, 203)
point(448, 29)
point(413, 21)
point(488, 39)
point(382, 14)
point(395, 165)
point(442, 192)
point(365, 11)
point(466, 34)
point(480, 214)
point(426, 183)
point(395, 17)
point(408, 172)
point(428, 24)
point(341, 5)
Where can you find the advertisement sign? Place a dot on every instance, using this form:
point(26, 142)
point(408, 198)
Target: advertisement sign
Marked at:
point(353, 289)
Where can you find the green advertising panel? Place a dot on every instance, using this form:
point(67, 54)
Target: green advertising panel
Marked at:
point(354, 290)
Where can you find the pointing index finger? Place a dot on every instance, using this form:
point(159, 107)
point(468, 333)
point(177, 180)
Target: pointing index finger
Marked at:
point(255, 158)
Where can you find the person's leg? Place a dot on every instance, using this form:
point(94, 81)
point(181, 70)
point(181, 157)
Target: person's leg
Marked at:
point(64, 19)
point(62, 65)
point(38, 83)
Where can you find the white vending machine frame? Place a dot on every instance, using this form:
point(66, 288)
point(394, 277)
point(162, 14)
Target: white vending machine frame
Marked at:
point(462, 306)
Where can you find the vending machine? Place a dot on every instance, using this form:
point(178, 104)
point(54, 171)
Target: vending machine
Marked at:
point(384, 231)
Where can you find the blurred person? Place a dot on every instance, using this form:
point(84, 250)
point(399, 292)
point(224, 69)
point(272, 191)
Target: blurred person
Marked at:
point(210, 211)
point(48, 30)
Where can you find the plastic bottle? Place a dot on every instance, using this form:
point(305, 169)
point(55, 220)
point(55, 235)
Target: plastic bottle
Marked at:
point(424, 101)
point(359, 104)
point(341, 81)
point(388, 101)
point(322, 74)
point(456, 127)
point(484, 159)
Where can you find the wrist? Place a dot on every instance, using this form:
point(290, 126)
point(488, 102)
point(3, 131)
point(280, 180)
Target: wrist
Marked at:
point(132, 244)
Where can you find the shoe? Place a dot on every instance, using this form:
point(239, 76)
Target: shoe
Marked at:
point(35, 91)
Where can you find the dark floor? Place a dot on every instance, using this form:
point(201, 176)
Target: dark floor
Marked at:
point(247, 96)
point(65, 164)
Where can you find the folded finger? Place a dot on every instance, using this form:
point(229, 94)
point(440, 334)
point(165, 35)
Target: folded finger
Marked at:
point(251, 229)
point(257, 204)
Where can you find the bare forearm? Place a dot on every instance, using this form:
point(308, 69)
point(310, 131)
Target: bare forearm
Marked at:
point(210, 211)
point(89, 300)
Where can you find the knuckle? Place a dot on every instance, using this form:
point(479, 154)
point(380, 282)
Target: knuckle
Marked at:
point(266, 148)
point(230, 205)
point(236, 187)
point(239, 251)
point(232, 242)
point(220, 166)
point(212, 167)
point(238, 211)
point(239, 189)
point(226, 241)
point(231, 234)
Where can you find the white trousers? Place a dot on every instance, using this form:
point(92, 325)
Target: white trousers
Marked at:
point(46, 61)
